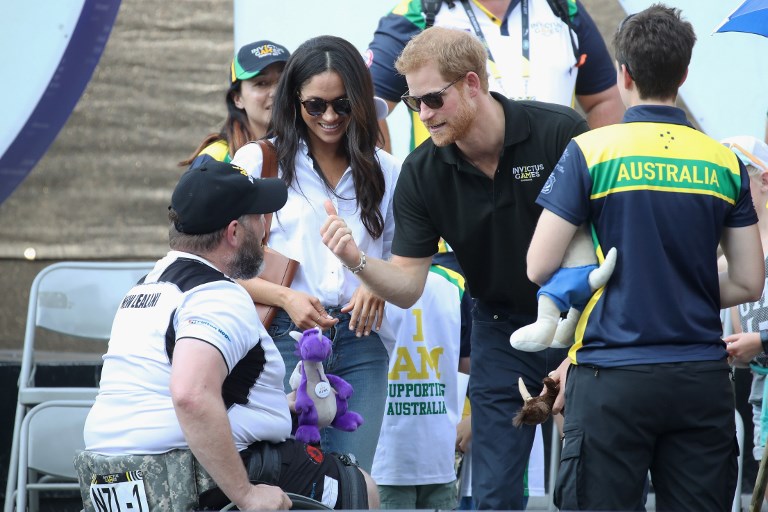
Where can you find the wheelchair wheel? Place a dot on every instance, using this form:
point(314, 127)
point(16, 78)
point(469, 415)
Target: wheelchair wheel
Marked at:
point(303, 503)
point(214, 499)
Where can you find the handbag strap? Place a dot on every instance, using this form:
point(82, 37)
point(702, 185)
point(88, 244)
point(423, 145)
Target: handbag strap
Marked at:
point(268, 170)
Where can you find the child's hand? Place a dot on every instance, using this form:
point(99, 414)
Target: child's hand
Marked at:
point(742, 347)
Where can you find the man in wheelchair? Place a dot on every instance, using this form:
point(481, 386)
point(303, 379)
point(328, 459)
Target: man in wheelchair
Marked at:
point(191, 399)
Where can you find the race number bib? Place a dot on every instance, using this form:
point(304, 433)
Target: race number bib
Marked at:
point(119, 492)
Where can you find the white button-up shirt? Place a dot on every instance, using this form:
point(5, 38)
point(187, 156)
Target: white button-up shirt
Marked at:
point(295, 230)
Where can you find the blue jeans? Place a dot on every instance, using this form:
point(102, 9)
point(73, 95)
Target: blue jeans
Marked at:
point(363, 362)
point(500, 451)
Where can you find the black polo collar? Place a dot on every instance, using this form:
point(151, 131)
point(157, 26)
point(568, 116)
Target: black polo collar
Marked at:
point(517, 128)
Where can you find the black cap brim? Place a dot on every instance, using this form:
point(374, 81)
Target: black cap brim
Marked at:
point(211, 196)
point(269, 196)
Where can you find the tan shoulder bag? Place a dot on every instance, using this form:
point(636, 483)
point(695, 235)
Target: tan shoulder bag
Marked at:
point(278, 268)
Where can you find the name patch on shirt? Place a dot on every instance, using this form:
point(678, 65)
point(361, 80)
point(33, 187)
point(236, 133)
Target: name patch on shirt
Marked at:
point(208, 324)
point(140, 300)
point(669, 175)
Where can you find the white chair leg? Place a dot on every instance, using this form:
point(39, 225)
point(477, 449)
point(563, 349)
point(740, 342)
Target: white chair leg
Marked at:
point(13, 463)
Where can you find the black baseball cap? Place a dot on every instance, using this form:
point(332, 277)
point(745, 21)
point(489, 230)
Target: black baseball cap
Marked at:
point(252, 58)
point(210, 196)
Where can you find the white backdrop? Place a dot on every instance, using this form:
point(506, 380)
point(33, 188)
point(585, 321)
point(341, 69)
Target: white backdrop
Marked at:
point(727, 86)
point(31, 46)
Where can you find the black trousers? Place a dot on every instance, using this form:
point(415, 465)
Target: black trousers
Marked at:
point(676, 420)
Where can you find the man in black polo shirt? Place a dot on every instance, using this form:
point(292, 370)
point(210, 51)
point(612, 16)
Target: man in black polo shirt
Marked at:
point(474, 184)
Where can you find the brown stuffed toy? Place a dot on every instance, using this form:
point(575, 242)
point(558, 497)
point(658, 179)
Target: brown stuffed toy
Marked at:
point(536, 409)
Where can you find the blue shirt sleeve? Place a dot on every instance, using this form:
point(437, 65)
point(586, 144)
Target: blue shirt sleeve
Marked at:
point(566, 192)
point(391, 36)
point(200, 160)
point(743, 213)
point(597, 73)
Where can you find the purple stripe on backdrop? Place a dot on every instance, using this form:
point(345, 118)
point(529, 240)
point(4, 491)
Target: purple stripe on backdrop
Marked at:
point(62, 94)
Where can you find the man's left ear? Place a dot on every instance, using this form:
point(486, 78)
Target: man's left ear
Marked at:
point(473, 82)
point(232, 231)
point(625, 77)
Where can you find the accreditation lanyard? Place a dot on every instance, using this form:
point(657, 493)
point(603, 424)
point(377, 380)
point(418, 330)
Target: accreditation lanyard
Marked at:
point(526, 42)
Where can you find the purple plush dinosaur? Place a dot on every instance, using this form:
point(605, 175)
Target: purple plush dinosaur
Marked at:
point(321, 399)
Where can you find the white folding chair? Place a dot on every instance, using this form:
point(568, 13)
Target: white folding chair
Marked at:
point(50, 436)
point(78, 300)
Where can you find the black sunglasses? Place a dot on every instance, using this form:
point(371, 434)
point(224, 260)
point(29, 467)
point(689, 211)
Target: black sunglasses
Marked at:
point(317, 106)
point(433, 100)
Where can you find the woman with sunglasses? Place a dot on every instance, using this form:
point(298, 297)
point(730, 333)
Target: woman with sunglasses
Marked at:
point(253, 75)
point(325, 128)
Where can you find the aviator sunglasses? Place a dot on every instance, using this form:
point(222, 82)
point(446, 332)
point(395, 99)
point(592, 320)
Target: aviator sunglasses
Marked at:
point(317, 106)
point(433, 100)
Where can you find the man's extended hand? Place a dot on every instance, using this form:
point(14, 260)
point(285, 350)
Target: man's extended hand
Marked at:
point(265, 497)
point(742, 347)
point(337, 236)
point(559, 375)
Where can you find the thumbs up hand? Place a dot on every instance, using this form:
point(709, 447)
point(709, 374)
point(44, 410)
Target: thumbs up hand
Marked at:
point(337, 236)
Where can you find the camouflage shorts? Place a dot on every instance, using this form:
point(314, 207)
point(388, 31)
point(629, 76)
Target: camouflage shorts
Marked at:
point(172, 481)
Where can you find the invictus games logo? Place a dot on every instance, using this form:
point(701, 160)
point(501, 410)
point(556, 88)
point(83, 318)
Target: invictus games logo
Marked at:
point(267, 50)
point(548, 185)
point(547, 28)
point(527, 172)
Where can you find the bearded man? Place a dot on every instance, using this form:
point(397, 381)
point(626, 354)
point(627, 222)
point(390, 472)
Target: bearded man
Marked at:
point(475, 185)
point(191, 369)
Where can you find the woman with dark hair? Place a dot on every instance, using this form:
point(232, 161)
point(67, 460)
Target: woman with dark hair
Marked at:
point(254, 73)
point(324, 126)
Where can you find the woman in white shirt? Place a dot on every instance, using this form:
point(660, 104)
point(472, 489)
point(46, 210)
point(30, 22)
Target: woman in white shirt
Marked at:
point(325, 129)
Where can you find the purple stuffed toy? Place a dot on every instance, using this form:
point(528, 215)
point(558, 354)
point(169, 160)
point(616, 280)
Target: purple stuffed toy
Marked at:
point(321, 399)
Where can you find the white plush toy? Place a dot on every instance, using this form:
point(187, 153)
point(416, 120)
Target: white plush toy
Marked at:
point(567, 290)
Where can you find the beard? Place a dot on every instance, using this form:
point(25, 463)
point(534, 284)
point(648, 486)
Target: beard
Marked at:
point(249, 259)
point(457, 126)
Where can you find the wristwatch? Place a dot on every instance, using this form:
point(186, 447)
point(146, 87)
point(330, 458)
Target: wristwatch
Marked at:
point(764, 339)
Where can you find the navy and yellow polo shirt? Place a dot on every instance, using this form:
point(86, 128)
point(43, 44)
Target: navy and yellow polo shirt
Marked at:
point(661, 193)
point(218, 150)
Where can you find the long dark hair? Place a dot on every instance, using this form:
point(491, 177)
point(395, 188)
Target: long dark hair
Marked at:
point(313, 57)
point(235, 131)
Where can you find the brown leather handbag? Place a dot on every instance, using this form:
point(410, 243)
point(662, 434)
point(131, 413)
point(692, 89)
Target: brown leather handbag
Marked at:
point(278, 268)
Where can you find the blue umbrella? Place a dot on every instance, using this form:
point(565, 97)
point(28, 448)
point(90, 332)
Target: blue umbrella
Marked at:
point(751, 17)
